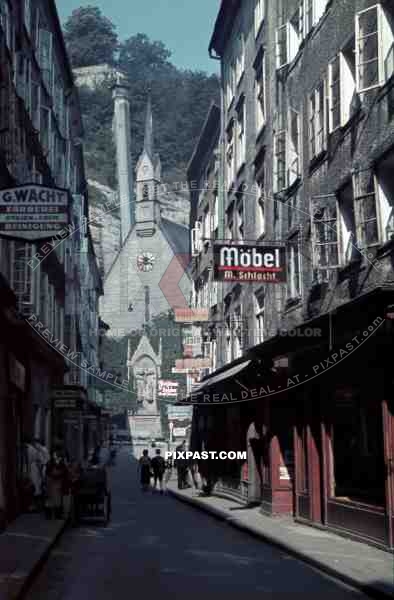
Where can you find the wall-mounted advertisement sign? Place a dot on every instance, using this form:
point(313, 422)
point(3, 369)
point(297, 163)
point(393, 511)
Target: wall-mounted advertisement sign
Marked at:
point(33, 211)
point(168, 388)
point(184, 365)
point(248, 264)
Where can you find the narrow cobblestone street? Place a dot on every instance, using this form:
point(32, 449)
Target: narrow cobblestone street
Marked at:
point(156, 546)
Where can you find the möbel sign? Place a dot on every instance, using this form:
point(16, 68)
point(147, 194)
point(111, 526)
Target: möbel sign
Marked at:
point(245, 264)
point(33, 211)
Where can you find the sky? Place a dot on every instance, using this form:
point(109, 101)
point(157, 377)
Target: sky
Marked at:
point(185, 26)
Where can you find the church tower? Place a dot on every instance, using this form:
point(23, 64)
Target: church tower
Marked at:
point(121, 128)
point(148, 178)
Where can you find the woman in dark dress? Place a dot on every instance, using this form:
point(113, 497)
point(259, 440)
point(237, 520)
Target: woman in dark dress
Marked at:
point(145, 469)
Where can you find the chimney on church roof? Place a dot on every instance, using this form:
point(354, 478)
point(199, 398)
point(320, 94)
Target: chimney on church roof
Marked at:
point(121, 127)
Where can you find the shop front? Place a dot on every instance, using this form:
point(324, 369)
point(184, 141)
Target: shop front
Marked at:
point(343, 432)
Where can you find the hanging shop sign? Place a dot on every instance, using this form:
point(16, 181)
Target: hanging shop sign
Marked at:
point(246, 264)
point(168, 388)
point(33, 211)
point(68, 397)
point(184, 365)
point(191, 315)
point(179, 432)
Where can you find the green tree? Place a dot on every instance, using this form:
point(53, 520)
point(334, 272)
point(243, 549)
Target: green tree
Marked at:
point(90, 37)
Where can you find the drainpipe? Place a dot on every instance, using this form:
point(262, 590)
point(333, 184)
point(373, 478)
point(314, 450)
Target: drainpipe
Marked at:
point(220, 348)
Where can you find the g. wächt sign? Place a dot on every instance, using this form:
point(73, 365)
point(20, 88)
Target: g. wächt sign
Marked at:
point(245, 264)
point(33, 211)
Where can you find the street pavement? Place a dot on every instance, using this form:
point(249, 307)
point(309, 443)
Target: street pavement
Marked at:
point(157, 547)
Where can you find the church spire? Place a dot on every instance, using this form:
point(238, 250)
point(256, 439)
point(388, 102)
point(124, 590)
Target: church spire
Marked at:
point(148, 140)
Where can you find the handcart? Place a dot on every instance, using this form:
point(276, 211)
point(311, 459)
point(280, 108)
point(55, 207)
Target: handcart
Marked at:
point(92, 498)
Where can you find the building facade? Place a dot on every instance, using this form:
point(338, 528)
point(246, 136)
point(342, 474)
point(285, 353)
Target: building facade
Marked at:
point(307, 123)
point(40, 143)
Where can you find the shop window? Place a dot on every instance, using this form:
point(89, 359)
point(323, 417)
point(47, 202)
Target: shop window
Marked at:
point(357, 447)
point(347, 225)
point(374, 47)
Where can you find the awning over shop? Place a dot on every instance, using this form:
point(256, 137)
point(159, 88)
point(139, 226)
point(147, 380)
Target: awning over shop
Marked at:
point(221, 377)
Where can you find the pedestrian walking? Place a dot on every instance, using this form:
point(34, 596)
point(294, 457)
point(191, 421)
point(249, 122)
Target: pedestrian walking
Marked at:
point(158, 468)
point(34, 471)
point(56, 485)
point(181, 466)
point(145, 470)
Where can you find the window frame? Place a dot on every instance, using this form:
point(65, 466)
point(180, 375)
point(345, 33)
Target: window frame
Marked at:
point(294, 269)
point(382, 24)
point(259, 16)
point(332, 209)
point(317, 120)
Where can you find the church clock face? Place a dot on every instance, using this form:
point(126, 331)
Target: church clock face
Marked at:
point(145, 262)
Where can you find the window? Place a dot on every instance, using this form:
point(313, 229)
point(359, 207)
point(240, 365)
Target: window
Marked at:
point(240, 62)
point(293, 147)
point(230, 86)
point(374, 48)
point(230, 155)
point(27, 15)
point(334, 93)
point(45, 57)
point(341, 77)
point(241, 138)
point(316, 122)
point(282, 46)
point(293, 211)
point(347, 225)
point(207, 226)
point(279, 161)
point(238, 333)
point(324, 238)
point(22, 276)
point(228, 342)
point(230, 222)
point(260, 197)
point(6, 23)
point(215, 215)
point(259, 10)
point(240, 217)
point(365, 202)
point(260, 96)
point(385, 190)
point(294, 268)
point(259, 317)
point(45, 129)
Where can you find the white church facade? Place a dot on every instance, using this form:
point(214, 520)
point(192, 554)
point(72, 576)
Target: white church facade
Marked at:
point(148, 275)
